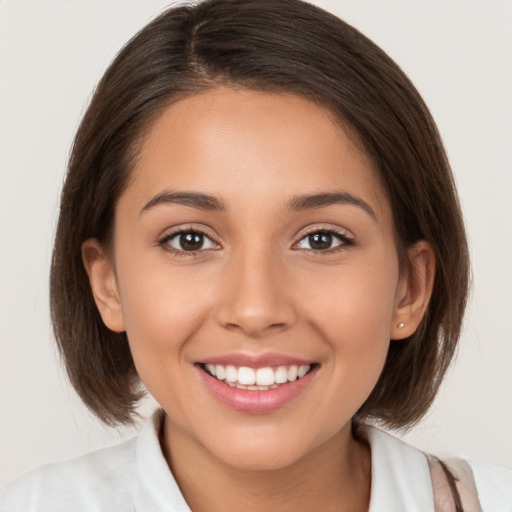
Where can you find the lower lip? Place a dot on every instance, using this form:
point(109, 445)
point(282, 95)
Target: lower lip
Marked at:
point(255, 401)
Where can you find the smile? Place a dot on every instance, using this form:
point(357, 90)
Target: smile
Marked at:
point(256, 385)
point(257, 379)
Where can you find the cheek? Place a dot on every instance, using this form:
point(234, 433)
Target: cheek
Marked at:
point(161, 314)
point(161, 309)
point(352, 310)
point(351, 314)
point(355, 299)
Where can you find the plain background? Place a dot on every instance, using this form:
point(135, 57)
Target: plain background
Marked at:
point(459, 55)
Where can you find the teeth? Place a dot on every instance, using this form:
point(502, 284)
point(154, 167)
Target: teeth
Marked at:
point(246, 376)
point(265, 377)
point(292, 373)
point(231, 374)
point(281, 375)
point(260, 379)
point(303, 370)
point(220, 372)
point(252, 388)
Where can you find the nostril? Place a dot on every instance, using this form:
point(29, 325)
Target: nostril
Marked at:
point(254, 305)
point(253, 329)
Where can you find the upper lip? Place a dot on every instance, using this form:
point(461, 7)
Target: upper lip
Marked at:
point(255, 360)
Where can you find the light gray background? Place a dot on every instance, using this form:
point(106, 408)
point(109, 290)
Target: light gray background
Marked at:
point(459, 55)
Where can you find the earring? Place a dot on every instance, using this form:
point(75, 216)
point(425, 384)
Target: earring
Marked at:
point(400, 325)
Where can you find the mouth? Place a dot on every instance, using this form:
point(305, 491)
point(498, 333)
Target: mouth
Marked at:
point(257, 379)
point(257, 384)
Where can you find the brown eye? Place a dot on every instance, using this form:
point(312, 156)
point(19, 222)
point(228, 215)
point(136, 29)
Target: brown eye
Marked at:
point(320, 241)
point(191, 241)
point(323, 240)
point(188, 241)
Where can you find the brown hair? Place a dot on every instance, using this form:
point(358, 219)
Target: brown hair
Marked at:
point(286, 46)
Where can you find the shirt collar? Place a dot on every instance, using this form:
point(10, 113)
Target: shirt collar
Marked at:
point(400, 474)
point(157, 489)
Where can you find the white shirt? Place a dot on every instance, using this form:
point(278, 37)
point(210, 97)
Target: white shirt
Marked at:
point(134, 476)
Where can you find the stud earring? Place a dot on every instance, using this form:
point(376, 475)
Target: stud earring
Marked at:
point(400, 325)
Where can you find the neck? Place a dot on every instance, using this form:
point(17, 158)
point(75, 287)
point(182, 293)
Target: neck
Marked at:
point(333, 477)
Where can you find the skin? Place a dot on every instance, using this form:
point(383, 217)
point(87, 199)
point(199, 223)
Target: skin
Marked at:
point(258, 288)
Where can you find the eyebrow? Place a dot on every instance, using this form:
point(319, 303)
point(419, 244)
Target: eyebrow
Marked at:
point(194, 199)
point(312, 201)
point(298, 203)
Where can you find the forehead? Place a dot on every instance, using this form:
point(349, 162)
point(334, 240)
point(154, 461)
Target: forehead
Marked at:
point(242, 145)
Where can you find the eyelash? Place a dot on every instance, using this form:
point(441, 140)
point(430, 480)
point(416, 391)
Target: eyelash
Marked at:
point(163, 243)
point(346, 241)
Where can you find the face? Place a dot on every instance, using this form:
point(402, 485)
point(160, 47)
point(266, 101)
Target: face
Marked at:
point(255, 273)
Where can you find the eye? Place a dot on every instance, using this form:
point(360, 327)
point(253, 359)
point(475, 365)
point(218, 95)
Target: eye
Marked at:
point(323, 240)
point(188, 241)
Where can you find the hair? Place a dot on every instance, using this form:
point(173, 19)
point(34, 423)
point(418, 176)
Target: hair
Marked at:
point(282, 47)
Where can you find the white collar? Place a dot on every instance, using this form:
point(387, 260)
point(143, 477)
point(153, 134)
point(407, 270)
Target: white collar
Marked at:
point(400, 474)
point(157, 488)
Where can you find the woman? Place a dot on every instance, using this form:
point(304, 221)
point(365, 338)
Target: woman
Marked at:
point(260, 224)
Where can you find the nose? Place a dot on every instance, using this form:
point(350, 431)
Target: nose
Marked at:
point(255, 296)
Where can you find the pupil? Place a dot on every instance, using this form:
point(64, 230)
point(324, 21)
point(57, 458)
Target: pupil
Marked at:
point(191, 241)
point(320, 240)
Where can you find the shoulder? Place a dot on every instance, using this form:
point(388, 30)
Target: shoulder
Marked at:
point(494, 485)
point(401, 477)
point(82, 484)
point(131, 476)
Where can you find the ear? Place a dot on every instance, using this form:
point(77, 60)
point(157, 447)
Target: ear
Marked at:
point(102, 279)
point(413, 291)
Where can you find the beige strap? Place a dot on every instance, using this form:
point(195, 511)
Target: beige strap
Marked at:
point(454, 486)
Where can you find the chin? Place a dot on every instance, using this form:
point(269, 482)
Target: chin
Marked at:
point(266, 449)
point(254, 459)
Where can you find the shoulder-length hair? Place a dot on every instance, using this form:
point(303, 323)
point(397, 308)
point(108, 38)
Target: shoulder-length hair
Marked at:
point(285, 46)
